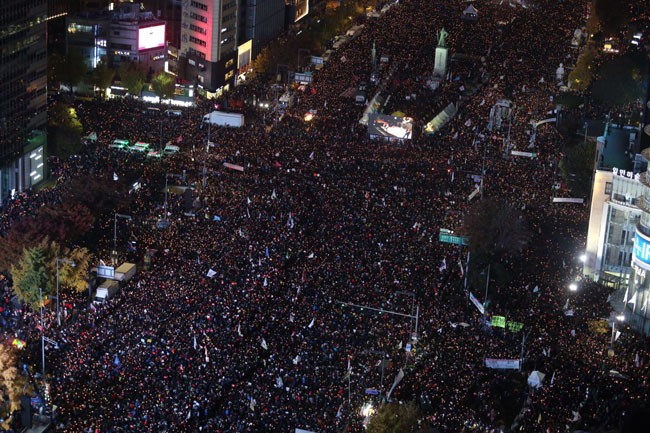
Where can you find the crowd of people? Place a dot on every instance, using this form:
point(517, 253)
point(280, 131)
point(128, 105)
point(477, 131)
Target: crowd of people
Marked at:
point(245, 321)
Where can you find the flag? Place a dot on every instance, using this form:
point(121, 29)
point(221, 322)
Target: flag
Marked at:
point(267, 252)
point(443, 266)
point(278, 382)
point(462, 271)
point(312, 323)
point(633, 299)
point(618, 334)
point(195, 345)
point(536, 289)
point(291, 317)
point(566, 304)
point(239, 330)
point(397, 380)
point(211, 273)
point(338, 412)
point(248, 200)
point(274, 195)
point(266, 283)
point(189, 414)
point(264, 345)
point(116, 361)
point(115, 176)
point(625, 296)
point(636, 360)
point(296, 360)
point(311, 155)
point(569, 313)
point(253, 403)
point(553, 378)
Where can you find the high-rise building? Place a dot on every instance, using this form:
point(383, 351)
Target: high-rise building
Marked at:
point(261, 21)
point(23, 80)
point(209, 43)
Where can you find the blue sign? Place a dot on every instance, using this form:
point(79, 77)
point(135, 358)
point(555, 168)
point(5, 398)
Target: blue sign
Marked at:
point(641, 250)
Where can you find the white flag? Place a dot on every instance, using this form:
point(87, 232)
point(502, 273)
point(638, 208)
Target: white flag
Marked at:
point(115, 176)
point(536, 289)
point(239, 330)
point(278, 382)
point(312, 322)
point(266, 283)
point(195, 345)
point(636, 360)
point(443, 266)
point(462, 271)
point(633, 299)
point(618, 334)
point(397, 380)
point(296, 360)
point(569, 313)
point(291, 317)
point(274, 195)
point(625, 296)
point(264, 345)
point(311, 155)
point(248, 200)
point(252, 404)
point(211, 273)
point(553, 378)
point(566, 304)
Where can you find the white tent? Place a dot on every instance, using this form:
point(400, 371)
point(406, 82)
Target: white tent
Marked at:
point(535, 379)
point(470, 13)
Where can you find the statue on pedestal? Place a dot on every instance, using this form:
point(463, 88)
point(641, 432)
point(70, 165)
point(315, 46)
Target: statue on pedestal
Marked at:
point(442, 38)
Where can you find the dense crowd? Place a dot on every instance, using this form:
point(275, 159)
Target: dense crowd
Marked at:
point(241, 324)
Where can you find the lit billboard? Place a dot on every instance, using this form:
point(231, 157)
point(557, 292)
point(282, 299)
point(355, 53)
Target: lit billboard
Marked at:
point(151, 37)
point(391, 127)
point(641, 254)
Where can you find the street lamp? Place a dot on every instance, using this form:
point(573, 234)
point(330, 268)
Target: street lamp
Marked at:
point(71, 263)
point(164, 223)
point(117, 215)
point(573, 287)
point(583, 258)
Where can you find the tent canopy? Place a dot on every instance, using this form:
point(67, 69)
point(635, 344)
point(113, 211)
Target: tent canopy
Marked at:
point(536, 378)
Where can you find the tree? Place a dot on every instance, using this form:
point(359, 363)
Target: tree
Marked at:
point(11, 383)
point(163, 85)
point(70, 276)
point(581, 76)
point(64, 129)
point(29, 275)
point(395, 418)
point(132, 76)
point(613, 15)
point(73, 69)
point(103, 76)
point(619, 81)
point(577, 167)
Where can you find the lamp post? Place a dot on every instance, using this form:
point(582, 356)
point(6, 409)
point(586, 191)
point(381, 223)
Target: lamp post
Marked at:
point(117, 215)
point(164, 223)
point(40, 297)
point(71, 263)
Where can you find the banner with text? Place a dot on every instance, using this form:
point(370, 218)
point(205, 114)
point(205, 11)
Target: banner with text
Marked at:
point(502, 364)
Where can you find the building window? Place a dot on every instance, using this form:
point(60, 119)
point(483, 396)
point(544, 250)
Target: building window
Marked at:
point(198, 29)
point(228, 75)
point(197, 41)
point(198, 17)
point(199, 5)
point(608, 188)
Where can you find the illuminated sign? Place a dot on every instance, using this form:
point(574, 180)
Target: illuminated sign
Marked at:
point(151, 37)
point(302, 9)
point(623, 173)
point(641, 254)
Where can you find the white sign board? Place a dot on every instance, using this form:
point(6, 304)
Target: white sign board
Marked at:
point(568, 200)
point(502, 363)
point(526, 154)
point(105, 272)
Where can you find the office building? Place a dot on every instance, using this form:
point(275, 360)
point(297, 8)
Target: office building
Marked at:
point(209, 43)
point(23, 81)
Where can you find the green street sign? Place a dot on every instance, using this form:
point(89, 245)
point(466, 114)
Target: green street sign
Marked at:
point(515, 326)
point(447, 236)
point(499, 321)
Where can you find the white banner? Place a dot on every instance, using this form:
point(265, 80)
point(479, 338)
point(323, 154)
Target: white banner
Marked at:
point(476, 302)
point(233, 166)
point(568, 200)
point(473, 194)
point(502, 363)
point(398, 379)
point(526, 154)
